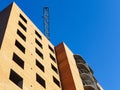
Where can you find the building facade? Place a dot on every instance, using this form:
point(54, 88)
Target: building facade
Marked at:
point(75, 73)
point(29, 61)
point(27, 58)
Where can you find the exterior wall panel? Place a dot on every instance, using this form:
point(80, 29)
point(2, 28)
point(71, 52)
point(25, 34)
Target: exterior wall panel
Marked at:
point(70, 78)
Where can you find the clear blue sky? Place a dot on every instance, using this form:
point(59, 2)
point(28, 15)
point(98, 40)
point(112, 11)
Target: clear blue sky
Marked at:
point(90, 28)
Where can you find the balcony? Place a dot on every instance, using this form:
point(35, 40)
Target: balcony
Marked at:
point(89, 88)
point(79, 59)
point(95, 79)
point(86, 74)
point(87, 80)
point(83, 69)
point(91, 70)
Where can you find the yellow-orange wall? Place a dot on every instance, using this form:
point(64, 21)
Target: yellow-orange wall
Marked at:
point(30, 69)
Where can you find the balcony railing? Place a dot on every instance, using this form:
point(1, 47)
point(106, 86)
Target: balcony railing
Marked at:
point(88, 82)
point(83, 68)
point(82, 71)
point(86, 74)
point(87, 79)
point(89, 88)
point(79, 59)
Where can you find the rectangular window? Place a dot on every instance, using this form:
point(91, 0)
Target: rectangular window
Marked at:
point(16, 79)
point(21, 16)
point(38, 34)
point(51, 48)
point(52, 58)
point(22, 26)
point(20, 46)
point(56, 81)
point(18, 60)
point(21, 35)
point(39, 53)
point(54, 68)
point(40, 65)
point(38, 43)
point(40, 80)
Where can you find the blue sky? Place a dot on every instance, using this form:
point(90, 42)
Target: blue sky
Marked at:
point(90, 28)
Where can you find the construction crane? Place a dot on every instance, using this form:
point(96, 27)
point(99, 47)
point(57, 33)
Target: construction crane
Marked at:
point(46, 22)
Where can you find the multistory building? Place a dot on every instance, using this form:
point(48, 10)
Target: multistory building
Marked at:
point(27, 57)
point(29, 61)
point(75, 73)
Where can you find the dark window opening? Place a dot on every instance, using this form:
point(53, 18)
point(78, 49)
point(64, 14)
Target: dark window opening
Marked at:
point(38, 34)
point(18, 60)
point(56, 81)
point(39, 44)
point(40, 80)
point(20, 46)
point(22, 26)
point(39, 53)
point(52, 58)
point(54, 68)
point(16, 79)
point(21, 35)
point(40, 65)
point(51, 48)
point(21, 16)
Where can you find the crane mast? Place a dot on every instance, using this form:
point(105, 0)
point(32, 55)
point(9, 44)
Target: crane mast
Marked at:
point(46, 22)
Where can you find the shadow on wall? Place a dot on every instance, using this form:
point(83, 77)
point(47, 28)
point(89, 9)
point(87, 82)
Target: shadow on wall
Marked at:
point(4, 16)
